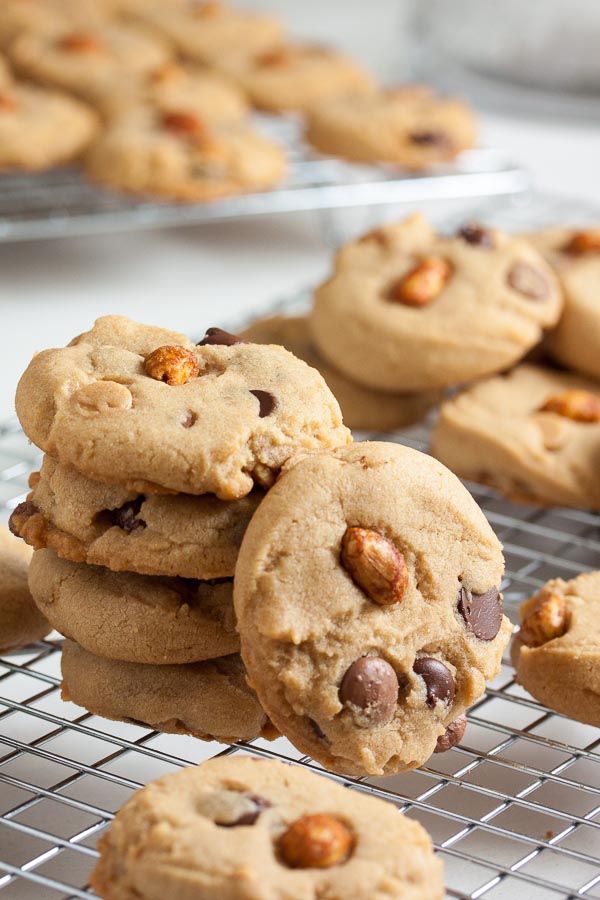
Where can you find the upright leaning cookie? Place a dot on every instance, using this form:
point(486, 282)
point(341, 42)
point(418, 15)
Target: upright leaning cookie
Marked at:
point(134, 618)
point(147, 409)
point(20, 620)
point(368, 605)
point(107, 525)
point(407, 309)
point(209, 700)
point(575, 256)
point(557, 650)
point(534, 434)
point(240, 827)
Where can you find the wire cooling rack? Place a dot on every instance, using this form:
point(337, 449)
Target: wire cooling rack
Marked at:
point(514, 811)
point(61, 203)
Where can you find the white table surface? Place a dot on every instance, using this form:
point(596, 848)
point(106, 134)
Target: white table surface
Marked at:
point(189, 278)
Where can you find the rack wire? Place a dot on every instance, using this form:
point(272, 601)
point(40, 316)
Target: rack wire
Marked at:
point(61, 202)
point(514, 811)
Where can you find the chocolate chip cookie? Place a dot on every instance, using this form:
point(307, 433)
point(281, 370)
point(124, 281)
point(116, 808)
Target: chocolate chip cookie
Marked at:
point(296, 76)
point(107, 525)
point(557, 650)
point(20, 620)
point(134, 618)
point(575, 256)
point(146, 408)
point(207, 31)
point(368, 605)
point(40, 128)
point(534, 434)
point(409, 126)
point(362, 408)
point(407, 309)
point(92, 61)
point(241, 827)
point(176, 154)
point(209, 700)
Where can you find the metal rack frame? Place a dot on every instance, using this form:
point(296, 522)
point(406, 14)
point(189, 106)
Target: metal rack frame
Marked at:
point(62, 203)
point(514, 811)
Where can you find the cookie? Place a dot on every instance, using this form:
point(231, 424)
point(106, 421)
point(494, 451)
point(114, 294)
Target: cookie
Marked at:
point(575, 257)
point(134, 618)
point(407, 309)
point(18, 16)
point(238, 827)
point(209, 700)
point(557, 650)
point(206, 31)
point(296, 76)
point(366, 593)
point(409, 126)
point(92, 61)
point(40, 129)
point(534, 434)
point(176, 155)
point(159, 534)
point(362, 408)
point(146, 408)
point(20, 621)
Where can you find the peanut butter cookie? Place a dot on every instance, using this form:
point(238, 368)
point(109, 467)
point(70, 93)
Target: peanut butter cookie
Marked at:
point(368, 605)
point(239, 827)
point(20, 620)
point(134, 618)
point(534, 434)
point(557, 650)
point(147, 409)
point(407, 309)
point(209, 700)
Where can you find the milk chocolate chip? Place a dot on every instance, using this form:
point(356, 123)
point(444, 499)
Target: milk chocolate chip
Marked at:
point(529, 281)
point(452, 735)
point(251, 815)
point(370, 690)
point(439, 682)
point(222, 338)
point(127, 516)
point(430, 138)
point(266, 403)
point(476, 235)
point(482, 613)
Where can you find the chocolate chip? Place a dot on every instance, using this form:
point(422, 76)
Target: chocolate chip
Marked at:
point(190, 420)
point(317, 730)
point(23, 511)
point(370, 689)
point(266, 403)
point(429, 138)
point(222, 338)
point(476, 235)
point(529, 281)
point(126, 517)
point(482, 612)
point(439, 682)
point(249, 817)
point(452, 735)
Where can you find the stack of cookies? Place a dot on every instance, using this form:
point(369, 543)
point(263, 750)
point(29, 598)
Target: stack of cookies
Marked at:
point(159, 451)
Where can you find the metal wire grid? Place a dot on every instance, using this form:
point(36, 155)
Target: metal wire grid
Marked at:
point(62, 202)
point(514, 811)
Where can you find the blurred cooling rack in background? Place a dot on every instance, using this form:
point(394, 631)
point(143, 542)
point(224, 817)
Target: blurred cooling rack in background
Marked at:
point(514, 811)
point(62, 203)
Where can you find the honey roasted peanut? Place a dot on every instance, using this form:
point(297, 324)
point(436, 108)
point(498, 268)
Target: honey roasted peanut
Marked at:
point(543, 618)
point(182, 122)
point(583, 242)
point(171, 364)
point(315, 841)
point(80, 42)
point(375, 564)
point(576, 404)
point(423, 283)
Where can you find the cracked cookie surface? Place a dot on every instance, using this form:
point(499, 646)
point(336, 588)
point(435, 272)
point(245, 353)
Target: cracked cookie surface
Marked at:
point(557, 650)
point(367, 599)
point(134, 618)
point(407, 309)
point(155, 534)
point(93, 406)
point(245, 827)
